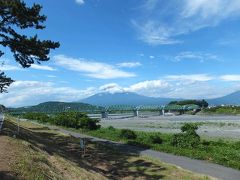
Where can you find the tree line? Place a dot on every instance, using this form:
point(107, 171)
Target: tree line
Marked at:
point(201, 103)
point(67, 119)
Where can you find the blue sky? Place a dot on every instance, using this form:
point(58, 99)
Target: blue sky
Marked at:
point(158, 48)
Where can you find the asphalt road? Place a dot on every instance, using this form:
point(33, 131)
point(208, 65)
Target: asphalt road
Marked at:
point(1, 116)
point(1, 120)
point(198, 166)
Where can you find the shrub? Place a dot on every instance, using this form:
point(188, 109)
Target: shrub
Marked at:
point(111, 128)
point(189, 128)
point(128, 134)
point(237, 145)
point(155, 139)
point(185, 140)
point(205, 143)
point(76, 120)
point(88, 123)
point(67, 119)
point(40, 117)
point(188, 138)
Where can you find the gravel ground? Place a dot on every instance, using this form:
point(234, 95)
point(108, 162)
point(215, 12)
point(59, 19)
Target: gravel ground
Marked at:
point(212, 126)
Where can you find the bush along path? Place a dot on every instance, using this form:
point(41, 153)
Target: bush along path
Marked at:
point(198, 166)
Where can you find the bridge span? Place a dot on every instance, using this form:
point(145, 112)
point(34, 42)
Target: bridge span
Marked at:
point(136, 110)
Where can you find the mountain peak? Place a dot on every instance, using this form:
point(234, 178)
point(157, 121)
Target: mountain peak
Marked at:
point(127, 98)
point(230, 99)
point(131, 98)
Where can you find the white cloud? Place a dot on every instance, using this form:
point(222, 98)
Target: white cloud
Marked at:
point(197, 90)
point(154, 34)
point(150, 4)
point(226, 42)
point(148, 85)
point(151, 57)
point(42, 67)
point(51, 76)
point(162, 22)
point(22, 93)
point(153, 88)
point(7, 67)
point(216, 10)
point(188, 88)
point(146, 88)
point(129, 64)
point(190, 77)
point(112, 88)
point(80, 2)
point(229, 39)
point(198, 56)
point(141, 86)
point(92, 68)
point(232, 77)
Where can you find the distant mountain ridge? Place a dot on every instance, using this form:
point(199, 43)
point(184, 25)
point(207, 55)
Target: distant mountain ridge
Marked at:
point(126, 98)
point(230, 99)
point(52, 107)
point(129, 98)
point(94, 103)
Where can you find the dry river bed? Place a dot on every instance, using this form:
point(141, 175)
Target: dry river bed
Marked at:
point(209, 126)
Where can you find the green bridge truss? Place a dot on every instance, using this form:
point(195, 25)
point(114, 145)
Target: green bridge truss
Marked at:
point(114, 108)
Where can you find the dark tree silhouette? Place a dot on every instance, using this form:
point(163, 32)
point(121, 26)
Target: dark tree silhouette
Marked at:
point(16, 16)
point(4, 82)
point(201, 103)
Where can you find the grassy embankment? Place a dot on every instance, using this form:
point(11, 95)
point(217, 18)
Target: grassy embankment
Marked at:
point(223, 152)
point(40, 153)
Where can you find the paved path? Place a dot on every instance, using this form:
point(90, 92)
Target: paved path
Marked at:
point(1, 120)
point(198, 166)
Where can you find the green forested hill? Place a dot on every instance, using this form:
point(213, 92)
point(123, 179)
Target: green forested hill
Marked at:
point(56, 107)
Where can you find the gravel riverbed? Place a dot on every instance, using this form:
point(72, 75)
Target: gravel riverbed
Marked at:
point(210, 126)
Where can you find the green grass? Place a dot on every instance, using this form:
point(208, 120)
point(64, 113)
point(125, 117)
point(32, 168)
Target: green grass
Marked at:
point(223, 152)
point(230, 110)
point(31, 164)
point(39, 158)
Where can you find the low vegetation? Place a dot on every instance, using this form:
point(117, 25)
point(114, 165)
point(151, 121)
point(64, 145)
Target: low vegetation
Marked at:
point(40, 117)
point(232, 110)
point(56, 107)
point(187, 143)
point(41, 153)
point(188, 138)
point(127, 134)
point(200, 103)
point(155, 139)
point(67, 119)
point(75, 120)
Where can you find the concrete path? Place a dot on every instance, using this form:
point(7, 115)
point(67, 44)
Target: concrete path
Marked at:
point(198, 166)
point(1, 120)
